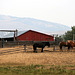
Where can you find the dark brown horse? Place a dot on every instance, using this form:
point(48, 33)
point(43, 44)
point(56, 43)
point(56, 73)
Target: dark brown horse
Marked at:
point(61, 44)
point(40, 45)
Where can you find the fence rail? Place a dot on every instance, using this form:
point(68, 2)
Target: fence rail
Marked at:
point(26, 46)
point(4, 44)
point(16, 43)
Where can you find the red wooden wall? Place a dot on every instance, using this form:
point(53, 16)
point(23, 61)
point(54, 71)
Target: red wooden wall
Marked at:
point(35, 36)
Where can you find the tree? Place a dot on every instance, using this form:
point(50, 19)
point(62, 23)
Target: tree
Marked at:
point(58, 39)
point(73, 32)
point(69, 35)
point(73, 29)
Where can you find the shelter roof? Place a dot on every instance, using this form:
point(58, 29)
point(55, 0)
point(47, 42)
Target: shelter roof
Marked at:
point(11, 34)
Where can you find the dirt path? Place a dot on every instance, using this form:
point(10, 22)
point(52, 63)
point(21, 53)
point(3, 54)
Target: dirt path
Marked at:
point(48, 58)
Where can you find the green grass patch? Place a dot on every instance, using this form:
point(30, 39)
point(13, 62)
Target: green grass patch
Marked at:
point(38, 70)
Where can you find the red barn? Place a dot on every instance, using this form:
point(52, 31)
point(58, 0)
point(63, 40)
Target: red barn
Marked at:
point(31, 35)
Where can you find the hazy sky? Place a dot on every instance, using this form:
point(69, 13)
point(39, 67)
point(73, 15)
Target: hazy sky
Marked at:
point(59, 11)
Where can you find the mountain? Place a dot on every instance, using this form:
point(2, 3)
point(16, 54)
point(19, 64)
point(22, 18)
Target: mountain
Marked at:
point(21, 24)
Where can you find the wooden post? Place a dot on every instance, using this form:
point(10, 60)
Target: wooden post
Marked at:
point(24, 48)
point(73, 36)
point(2, 43)
point(73, 33)
point(53, 48)
point(14, 36)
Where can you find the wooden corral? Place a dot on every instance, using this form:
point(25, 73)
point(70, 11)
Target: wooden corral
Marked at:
point(26, 47)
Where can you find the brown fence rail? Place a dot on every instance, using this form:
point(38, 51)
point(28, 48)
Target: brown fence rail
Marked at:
point(26, 46)
point(4, 44)
point(12, 50)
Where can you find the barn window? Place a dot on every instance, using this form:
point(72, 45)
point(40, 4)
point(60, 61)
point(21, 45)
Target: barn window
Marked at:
point(47, 39)
point(41, 38)
point(33, 39)
point(27, 38)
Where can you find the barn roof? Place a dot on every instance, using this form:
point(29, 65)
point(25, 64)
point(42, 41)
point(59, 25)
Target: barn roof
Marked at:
point(41, 33)
point(11, 34)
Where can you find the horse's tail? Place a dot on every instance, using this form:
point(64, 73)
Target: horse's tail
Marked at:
point(59, 43)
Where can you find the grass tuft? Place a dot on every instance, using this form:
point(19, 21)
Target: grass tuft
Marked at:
point(37, 70)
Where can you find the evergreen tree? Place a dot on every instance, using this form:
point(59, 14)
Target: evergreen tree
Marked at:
point(69, 34)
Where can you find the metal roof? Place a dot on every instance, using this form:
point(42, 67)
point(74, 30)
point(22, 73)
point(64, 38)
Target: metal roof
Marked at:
point(11, 34)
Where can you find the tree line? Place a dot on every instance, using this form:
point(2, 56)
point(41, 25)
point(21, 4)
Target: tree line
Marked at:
point(69, 35)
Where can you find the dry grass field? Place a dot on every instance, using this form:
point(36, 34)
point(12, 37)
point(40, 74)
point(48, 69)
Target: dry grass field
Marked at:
point(17, 56)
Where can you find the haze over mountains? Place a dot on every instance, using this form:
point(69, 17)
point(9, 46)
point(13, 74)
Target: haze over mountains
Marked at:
point(21, 24)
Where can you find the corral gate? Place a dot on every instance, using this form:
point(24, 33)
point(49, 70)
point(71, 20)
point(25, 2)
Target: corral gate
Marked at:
point(15, 32)
point(15, 35)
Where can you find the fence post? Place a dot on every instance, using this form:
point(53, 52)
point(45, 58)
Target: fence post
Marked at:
point(24, 48)
point(53, 47)
point(2, 43)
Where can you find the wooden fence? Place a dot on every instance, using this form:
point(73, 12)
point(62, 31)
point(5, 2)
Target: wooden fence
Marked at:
point(26, 46)
point(5, 44)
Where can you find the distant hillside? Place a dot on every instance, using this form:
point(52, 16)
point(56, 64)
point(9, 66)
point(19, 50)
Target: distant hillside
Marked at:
point(9, 22)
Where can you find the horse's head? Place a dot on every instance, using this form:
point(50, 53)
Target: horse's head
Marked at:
point(48, 44)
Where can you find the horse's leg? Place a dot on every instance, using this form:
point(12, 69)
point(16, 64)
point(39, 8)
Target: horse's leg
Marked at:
point(34, 49)
point(42, 50)
point(69, 48)
point(61, 48)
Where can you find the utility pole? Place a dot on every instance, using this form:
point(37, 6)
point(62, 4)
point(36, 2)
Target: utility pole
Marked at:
point(73, 33)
